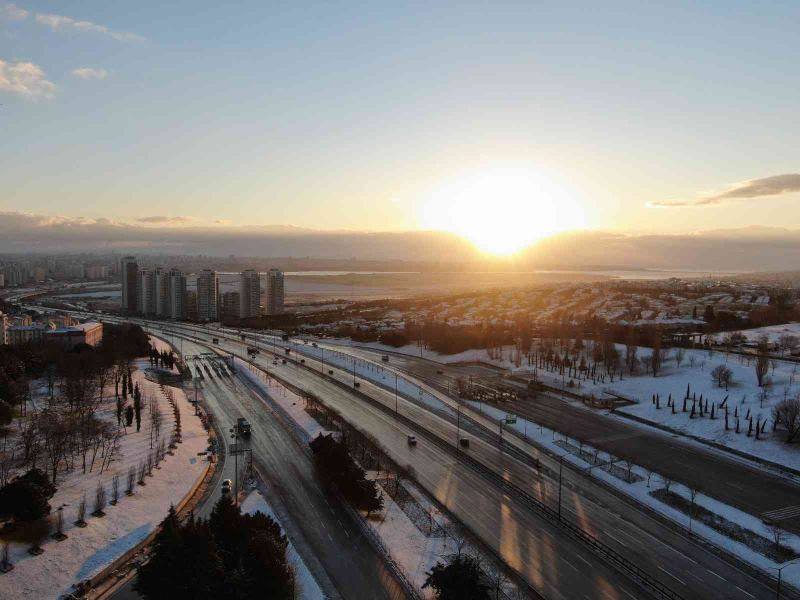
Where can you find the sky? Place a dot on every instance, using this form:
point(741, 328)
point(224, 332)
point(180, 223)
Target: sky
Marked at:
point(621, 116)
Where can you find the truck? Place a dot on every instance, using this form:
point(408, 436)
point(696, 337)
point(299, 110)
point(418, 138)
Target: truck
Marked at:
point(243, 426)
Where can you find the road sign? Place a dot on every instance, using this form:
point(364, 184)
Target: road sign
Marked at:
point(511, 419)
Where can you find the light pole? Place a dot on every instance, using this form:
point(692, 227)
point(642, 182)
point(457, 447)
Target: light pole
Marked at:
point(235, 436)
point(560, 467)
point(395, 394)
point(458, 427)
point(780, 570)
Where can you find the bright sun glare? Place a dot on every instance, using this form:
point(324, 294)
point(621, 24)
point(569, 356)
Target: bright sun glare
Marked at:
point(502, 210)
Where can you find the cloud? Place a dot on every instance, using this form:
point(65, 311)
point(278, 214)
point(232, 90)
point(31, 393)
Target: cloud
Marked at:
point(775, 185)
point(63, 23)
point(90, 73)
point(162, 220)
point(26, 79)
point(12, 12)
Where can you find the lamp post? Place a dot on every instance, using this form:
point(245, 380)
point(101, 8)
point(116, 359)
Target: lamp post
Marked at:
point(560, 468)
point(395, 394)
point(780, 570)
point(235, 436)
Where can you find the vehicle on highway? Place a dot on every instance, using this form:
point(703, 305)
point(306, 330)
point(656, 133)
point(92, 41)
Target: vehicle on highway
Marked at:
point(439, 372)
point(302, 361)
point(287, 350)
point(330, 371)
point(357, 384)
point(215, 340)
point(275, 362)
point(283, 361)
point(227, 485)
point(464, 442)
point(412, 440)
point(385, 358)
point(243, 426)
point(314, 344)
point(285, 337)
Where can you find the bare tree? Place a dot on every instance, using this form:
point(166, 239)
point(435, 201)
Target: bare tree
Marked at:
point(680, 353)
point(762, 360)
point(787, 413)
point(131, 479)
point(777, 533)
point(99, 500)
point(666, 482)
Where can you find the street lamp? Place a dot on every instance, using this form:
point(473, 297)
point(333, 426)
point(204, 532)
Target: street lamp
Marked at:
point(780, 570)
point(560, 468)
point(235, 436)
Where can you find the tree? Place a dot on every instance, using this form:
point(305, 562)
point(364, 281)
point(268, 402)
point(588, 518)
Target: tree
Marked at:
point(25, 498)
point(656, 357)
point(680, 353)
point(721, 375)
point(762, 360)
point(137, 408)
point(787, 413)
point(460, 579)
point(708, 314)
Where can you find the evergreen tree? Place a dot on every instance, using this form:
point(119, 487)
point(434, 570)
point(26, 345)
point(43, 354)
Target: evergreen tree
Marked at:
point(461, 579)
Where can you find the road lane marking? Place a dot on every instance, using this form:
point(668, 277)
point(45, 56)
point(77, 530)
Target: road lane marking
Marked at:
point(745, 592)
point(715, 574)
point(578, 556)
point(671, 575)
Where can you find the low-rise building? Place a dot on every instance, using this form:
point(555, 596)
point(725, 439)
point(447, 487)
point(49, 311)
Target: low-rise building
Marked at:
point(19, 335)
point(90, 334)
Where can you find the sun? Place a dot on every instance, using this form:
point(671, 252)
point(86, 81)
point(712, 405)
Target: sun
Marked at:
point(502, 210)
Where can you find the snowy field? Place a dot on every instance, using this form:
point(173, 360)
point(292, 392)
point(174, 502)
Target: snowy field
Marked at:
point(88, 550)
point(307, 588)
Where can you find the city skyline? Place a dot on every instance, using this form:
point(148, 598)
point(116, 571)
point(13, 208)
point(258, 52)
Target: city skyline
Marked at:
point(610, 111)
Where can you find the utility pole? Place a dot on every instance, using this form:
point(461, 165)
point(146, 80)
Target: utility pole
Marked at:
point(560, 466)
point(235, 436)
point(395, 394)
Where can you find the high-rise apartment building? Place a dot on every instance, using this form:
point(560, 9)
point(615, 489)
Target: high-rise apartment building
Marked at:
point(207, 296)
point(231, 304)
point(162, 308)
point(250, 294)
point(176, 291)
point(274, 304)
point(147, 292)
point(130, 284)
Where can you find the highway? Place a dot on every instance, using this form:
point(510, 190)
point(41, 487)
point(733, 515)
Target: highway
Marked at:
point(552, 562)
point(663, 453)
point(331, 545)
point(534, 546)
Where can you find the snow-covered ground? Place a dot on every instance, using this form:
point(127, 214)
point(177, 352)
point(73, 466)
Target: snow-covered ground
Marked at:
point(307, 588)
point(773, 332)
point(88, 550)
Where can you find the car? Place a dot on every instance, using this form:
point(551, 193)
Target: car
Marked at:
point(439, 372)
point(412, 440)
point(314, 344)
point(464, 442)
point(283, 361)
point(275, 362)
point(227, 485)
point(330, 371)
point(385, 358)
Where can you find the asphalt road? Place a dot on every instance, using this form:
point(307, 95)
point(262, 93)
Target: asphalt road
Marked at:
point(331, 545)
point(518, 533)
point(555, 564)
point(725, 478)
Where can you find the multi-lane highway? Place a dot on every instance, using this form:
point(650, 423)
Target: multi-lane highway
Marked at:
point(552, 562)
point(534, 547)
point(735, 481)
point(342, 561)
